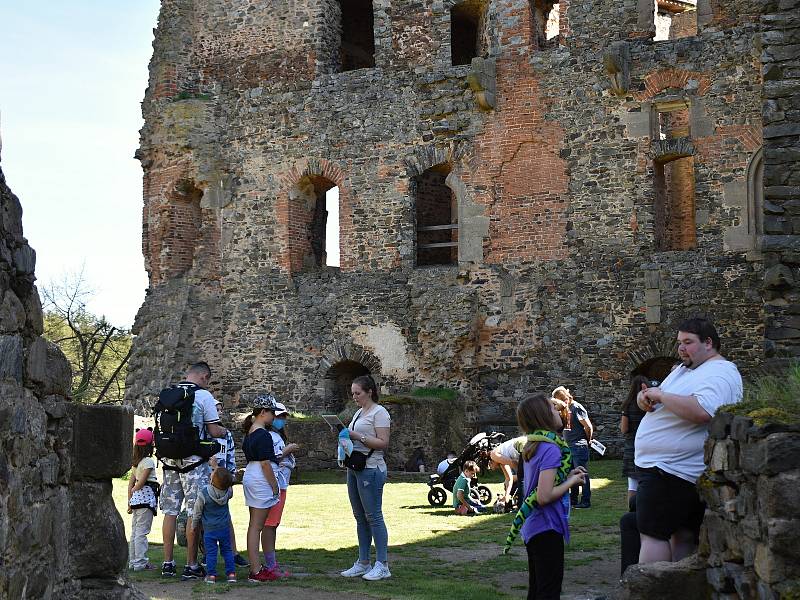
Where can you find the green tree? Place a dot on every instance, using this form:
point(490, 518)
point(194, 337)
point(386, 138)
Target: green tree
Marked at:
point(97, 351)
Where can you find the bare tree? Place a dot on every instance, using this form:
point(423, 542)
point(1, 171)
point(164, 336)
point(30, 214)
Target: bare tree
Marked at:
point(97, 350)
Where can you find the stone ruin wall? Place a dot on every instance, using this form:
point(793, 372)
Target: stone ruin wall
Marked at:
point(61, 536)
point(748, 542)
point(574, 261)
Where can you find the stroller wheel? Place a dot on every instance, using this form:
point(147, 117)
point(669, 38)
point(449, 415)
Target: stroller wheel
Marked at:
point(437, 497)
point(485, 494)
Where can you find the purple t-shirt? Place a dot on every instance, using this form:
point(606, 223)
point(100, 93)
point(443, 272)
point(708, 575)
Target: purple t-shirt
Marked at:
point(553, 516)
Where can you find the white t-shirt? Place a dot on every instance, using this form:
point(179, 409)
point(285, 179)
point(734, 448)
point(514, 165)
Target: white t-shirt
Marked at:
point(673, 444)
point(146, 463)
point(510, 449)
point(376, 416)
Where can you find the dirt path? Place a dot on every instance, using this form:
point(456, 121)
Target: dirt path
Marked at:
point(185, 591)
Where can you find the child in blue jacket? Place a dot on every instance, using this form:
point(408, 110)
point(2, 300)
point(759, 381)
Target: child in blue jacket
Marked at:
point(211, 508)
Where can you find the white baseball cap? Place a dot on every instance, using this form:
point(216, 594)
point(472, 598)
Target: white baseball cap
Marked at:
point(280, 409)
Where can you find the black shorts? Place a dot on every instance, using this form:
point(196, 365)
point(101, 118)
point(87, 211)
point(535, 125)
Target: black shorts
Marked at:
point(666, 503)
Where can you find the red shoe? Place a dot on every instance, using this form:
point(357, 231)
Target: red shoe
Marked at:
point(280, 572)
point(263, 575)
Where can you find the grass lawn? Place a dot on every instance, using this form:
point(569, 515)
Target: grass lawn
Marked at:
point(433, 552)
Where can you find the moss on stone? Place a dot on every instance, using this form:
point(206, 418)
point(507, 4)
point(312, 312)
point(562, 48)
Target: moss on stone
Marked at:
point(441, 393)
point(771, 398)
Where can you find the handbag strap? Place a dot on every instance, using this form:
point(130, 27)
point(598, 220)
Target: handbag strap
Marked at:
point(353, 424)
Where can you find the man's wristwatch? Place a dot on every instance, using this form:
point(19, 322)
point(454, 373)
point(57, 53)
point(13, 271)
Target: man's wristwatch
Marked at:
point(363, 439)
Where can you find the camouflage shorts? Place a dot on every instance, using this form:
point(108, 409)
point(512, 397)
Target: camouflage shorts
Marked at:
point(178, 487)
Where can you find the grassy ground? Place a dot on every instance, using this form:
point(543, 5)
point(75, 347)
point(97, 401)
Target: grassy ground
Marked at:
point(433, 552)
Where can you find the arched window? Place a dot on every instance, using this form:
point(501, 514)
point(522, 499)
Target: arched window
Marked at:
point(312, 231)
point(755, 195)
point(436, 218)
point(466, 31)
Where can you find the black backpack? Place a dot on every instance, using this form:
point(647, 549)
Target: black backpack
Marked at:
point(174, 434)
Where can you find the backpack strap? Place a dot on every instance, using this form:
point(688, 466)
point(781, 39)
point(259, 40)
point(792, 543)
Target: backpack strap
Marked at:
point(185, 468)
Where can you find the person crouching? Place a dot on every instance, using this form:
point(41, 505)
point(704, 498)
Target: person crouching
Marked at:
point(212, 509)
point(462, 503)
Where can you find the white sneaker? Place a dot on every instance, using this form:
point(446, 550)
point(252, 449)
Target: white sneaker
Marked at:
point(357, 570)
point(379, 571)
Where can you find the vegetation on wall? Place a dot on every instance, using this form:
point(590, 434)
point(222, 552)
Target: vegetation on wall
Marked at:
point(772, 397)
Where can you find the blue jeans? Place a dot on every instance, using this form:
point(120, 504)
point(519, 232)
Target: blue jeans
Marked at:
point(580, 458)
point(223, 538)
point(365, 489)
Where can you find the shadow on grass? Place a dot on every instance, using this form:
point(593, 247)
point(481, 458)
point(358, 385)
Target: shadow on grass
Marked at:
point(460, 558)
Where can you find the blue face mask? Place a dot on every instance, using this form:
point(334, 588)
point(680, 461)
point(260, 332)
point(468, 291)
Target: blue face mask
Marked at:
point(278, 423)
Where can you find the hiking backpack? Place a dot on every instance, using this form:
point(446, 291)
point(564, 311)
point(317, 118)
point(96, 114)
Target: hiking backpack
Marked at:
point(174, 434)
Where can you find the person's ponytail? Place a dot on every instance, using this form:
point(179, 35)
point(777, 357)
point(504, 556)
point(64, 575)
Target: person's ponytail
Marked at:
point(248, 423)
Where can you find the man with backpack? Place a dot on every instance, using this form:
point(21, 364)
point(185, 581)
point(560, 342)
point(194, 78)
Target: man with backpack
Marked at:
point(191, 440)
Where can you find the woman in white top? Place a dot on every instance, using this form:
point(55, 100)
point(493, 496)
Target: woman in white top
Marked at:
point(369, 431)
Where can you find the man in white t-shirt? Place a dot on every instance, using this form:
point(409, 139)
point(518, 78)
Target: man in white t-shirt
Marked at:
point(670, 438)
point(180, 487)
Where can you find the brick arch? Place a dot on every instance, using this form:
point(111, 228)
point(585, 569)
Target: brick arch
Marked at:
point(423, 158)
point(334, 357)
point(296, 185)
point(651, 352)
point(664, 79)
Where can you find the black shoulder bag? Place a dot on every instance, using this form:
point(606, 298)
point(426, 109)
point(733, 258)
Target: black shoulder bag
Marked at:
point(357, 461)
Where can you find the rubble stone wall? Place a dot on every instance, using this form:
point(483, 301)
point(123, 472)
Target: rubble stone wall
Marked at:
point(60, 533)
point(551, 147)
point(750, 540)
point(781, 163)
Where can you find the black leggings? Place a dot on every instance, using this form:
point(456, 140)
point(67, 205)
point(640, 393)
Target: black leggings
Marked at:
point(545, 565)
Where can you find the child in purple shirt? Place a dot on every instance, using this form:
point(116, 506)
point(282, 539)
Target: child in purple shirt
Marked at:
point(546, 528)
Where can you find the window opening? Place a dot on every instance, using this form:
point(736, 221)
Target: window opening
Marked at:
point(544, 21)
point(185, 220)
point(675, 19)
point(674, 184)
point(466, 26)
point(357, 48)
point(436, 218)
point(332, 227)
point(312, 232)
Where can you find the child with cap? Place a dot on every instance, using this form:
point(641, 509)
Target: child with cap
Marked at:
point(143, 491)
point(284, 453)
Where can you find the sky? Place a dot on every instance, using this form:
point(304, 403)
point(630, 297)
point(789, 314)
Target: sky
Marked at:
point(72, 77)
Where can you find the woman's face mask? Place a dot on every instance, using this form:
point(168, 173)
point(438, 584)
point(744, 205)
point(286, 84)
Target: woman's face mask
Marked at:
point(278, 423)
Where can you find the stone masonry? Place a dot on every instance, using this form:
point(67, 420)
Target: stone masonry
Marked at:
point(748, 543)
point(544, 214)
point(61, 536)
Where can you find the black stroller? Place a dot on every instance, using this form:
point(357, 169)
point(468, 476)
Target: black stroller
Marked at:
point(476, 450)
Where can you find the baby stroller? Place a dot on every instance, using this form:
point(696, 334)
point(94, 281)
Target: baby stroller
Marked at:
point(476, 450)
